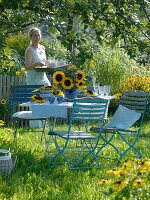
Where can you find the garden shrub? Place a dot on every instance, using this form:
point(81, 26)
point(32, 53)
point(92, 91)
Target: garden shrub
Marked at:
point(16, 46)
point(112, 66)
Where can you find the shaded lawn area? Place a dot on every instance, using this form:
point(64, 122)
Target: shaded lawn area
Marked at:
point(33, 179)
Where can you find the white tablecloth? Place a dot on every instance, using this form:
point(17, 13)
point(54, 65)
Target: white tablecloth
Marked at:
point(51, 110)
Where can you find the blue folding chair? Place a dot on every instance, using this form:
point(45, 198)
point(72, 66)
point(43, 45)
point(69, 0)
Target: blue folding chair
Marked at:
point(131, 110)
point(76, 147)
point(21, 94)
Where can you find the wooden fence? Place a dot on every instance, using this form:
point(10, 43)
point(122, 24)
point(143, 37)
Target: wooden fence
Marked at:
point(5, 83)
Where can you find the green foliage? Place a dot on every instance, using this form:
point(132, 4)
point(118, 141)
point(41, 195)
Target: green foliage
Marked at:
point(109, 21)
point(54, 49)
point(5, 110)
point(13, 57)
point(6, 60)
point(18, 43)
point(112, 66)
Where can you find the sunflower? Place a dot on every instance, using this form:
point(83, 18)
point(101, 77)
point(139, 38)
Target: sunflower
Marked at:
point(48, 87)
point(58, 77)
point(57, 93)
point(80, 84)
point(38, 99)
point(67, 83)
point(88, 92)
point(3, 101)
point(80, 75)
point(71, 67)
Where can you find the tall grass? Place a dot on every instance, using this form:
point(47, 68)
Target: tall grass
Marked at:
point(112, 66)
point(32, 179)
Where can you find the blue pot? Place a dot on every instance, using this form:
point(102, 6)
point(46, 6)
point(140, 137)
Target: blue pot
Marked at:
point(60, 98)
point(51, 99)
point(71, 94)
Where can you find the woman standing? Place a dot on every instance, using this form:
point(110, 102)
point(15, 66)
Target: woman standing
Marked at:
point(35, 57)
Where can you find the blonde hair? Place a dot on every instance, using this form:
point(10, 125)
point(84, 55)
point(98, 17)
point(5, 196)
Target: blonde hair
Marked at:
point(32, 30)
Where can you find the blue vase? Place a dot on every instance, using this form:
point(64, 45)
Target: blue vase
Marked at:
point(51, 99)
point(71, 94)
point(60, 98)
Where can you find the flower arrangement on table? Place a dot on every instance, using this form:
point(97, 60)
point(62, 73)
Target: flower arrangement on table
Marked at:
point(72, 79)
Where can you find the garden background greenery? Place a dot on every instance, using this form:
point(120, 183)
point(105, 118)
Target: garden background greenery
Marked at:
point(109, 40)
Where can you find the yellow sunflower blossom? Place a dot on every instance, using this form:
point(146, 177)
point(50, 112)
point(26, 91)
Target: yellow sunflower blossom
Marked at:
point(80, 75)
point(71, 67)
point(58, 77)
point(48, 87)
point(67, 83)
point(18, 73)
point(88, 92)
point(57, 93)
point(3, 101)
point(138, 182)
point(80, 84)
point(38, 99)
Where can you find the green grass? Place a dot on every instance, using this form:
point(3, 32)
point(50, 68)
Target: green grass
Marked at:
point(33, 179)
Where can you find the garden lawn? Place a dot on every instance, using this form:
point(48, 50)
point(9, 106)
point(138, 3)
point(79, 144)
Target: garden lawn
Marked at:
point(33, 179)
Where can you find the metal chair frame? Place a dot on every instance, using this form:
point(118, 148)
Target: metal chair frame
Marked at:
point(21, 94)
point(76, 146)
point(134, 100)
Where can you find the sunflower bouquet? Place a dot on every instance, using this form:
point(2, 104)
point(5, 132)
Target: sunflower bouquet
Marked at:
point(70, 79)
point(36, 98)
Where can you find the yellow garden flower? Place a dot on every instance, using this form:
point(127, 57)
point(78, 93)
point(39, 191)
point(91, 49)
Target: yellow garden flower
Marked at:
point(18, 73)
point(121, 184)
point(118, 95)
point(104, 182)
point(138, 182)
point(137, 83)
point(58, 77)
point(1, 123)
point(3, 101)
point(23, 69)
point(67, 83)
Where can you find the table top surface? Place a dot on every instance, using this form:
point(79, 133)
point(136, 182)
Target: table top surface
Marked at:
point(51, 68)
point(29, 103)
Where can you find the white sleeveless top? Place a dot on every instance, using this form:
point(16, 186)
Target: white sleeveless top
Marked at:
point(33, 77)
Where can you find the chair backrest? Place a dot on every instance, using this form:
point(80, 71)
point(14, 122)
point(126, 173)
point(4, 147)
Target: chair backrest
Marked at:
point(22, 93)
point(89, 109)
point(134, 100)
